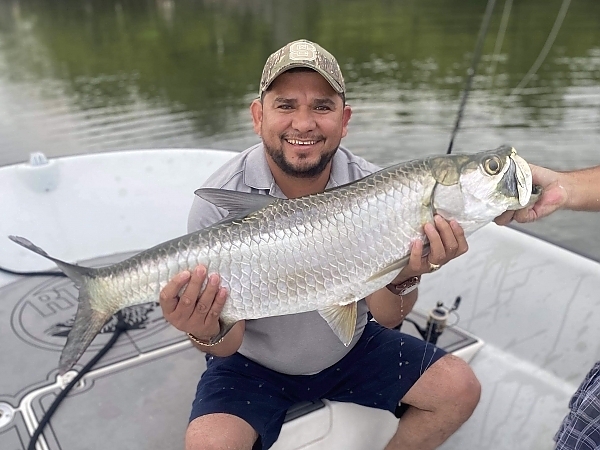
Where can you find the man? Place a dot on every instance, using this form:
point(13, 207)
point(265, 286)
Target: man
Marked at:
point(264, 366)
point(578, 190)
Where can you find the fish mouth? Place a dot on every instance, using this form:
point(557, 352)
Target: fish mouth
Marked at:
point(519, 179)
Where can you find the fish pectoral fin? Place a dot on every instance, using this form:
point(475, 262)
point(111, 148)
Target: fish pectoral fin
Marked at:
point(238, 204)
point(396, 265)
point(342, 320)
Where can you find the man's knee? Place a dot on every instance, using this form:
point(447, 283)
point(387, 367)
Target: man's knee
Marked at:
point(457, 384)
point(219, 432)
point(449, 385)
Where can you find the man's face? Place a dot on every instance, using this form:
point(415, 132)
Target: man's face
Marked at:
point(301, 121)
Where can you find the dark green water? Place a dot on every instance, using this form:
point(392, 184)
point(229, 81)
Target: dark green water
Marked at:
point(91, 76)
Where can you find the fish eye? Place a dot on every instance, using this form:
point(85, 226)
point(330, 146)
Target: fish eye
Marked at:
point(492, 165)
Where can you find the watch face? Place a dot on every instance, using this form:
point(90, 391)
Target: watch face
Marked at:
point(408, 289)
point(405, 287)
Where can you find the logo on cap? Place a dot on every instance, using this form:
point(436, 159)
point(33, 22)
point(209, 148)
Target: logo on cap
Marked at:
point(303, 51)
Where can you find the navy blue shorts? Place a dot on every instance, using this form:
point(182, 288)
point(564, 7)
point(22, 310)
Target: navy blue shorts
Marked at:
point(380, 369)
point(580, 429)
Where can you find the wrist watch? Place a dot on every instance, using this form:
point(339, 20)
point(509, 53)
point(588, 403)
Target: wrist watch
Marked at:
point(405, 287)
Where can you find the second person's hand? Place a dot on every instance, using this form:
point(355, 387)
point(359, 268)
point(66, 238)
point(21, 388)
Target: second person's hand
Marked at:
point(554, 196)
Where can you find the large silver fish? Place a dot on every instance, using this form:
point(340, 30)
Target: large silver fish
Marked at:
point(319, 252)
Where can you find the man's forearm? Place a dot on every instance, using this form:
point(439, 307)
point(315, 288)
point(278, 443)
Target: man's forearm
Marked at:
point(583, 188)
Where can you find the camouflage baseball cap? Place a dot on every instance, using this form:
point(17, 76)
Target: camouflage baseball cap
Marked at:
point(302, 53)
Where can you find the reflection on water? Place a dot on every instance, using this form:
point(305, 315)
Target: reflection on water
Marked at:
point(90, 76)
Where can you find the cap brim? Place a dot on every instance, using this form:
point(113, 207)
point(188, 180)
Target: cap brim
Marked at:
point(334, 84)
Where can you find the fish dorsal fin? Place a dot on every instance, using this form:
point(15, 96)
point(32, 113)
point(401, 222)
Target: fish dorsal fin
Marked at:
point(238, 204)
point(342, 320)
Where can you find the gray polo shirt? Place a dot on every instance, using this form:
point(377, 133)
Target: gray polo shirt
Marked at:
point(296, 344)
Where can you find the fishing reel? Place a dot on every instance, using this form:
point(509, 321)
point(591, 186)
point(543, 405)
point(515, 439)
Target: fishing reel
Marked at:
point(437, 320)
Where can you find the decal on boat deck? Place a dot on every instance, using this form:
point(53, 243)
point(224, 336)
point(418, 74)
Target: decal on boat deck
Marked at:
point(44, 315)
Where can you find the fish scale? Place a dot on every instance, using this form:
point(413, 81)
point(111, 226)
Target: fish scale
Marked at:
point(320, 252)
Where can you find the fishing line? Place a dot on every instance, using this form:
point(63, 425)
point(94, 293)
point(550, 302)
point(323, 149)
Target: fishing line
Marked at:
point(545, 49)
point(425, 351)
point(434, 348)
point(120, 328)
point(471, 73)
point(41, 273)
point(500, 39)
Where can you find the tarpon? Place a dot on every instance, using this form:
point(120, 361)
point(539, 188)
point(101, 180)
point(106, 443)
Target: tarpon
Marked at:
point(319, 252)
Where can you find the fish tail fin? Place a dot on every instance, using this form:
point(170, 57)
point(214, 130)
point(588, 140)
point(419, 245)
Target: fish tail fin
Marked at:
point(88, 321)
point(87, 325)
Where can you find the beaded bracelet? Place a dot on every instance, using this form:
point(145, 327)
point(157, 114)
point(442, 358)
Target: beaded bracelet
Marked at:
point(206, 344)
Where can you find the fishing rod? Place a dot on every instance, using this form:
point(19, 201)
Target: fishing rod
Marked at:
point(471, 72)
point(437, 321)
point(479, 46)
point(437, 318)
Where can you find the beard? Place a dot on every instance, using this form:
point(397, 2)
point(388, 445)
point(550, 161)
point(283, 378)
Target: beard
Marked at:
point(299, 171)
